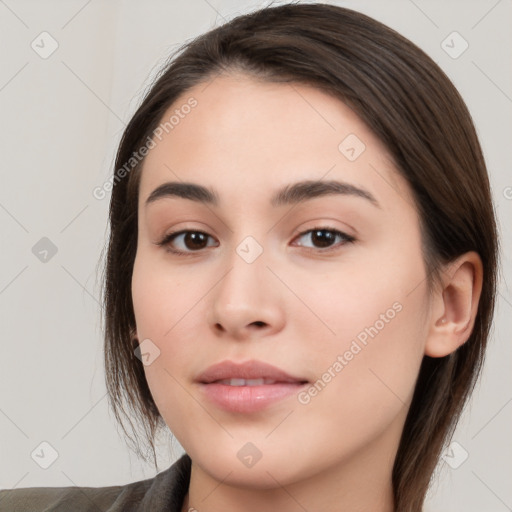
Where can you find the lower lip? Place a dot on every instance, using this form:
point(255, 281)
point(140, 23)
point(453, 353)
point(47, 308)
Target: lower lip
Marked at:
point(248, 398)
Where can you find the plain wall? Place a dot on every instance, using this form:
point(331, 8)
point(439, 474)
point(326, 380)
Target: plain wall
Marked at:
point(61, 120)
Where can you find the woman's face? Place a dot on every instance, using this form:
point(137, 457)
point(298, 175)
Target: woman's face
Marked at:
point(266, 277)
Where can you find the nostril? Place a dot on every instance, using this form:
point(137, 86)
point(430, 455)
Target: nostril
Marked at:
point(259, 323)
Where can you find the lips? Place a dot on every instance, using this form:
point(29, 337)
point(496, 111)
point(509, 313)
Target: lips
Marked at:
point(246, 382)
point(248, 373)
point(248, 387)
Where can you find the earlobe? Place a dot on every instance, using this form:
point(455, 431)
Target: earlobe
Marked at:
point(453, 319)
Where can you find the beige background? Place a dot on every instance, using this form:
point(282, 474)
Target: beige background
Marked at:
point(62, 117)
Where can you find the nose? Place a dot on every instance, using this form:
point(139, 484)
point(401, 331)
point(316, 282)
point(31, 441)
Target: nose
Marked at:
point(248, 301)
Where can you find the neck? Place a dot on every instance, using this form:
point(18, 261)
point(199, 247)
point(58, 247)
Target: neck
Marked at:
point(359, 483)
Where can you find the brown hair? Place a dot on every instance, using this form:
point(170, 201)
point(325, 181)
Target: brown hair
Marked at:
point(412, 106)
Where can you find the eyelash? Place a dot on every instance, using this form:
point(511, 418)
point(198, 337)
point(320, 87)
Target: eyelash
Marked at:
point(165, 242)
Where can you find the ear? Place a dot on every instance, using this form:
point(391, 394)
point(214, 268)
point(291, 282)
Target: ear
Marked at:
point(455, 305)
point(134, 336)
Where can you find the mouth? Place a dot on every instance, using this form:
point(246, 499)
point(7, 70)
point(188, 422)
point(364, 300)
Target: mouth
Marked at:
point(249, 382)
point(248, 387)
point(250, 373)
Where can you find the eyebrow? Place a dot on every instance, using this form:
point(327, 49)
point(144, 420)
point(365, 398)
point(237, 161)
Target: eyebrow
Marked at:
point(290, 194)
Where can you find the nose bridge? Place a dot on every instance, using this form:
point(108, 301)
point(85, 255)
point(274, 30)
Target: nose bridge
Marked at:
point(246, 296)
point(244, 282)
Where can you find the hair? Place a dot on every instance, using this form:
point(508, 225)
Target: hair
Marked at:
point(413, 108)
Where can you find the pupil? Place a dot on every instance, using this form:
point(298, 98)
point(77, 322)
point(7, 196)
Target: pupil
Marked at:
point(194, 237)
point(324, 240)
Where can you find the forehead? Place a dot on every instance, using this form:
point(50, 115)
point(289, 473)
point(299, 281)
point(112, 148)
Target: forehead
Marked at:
point(246, 134)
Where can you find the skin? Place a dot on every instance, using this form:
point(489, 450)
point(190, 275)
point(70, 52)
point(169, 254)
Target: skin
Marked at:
point(247, 138)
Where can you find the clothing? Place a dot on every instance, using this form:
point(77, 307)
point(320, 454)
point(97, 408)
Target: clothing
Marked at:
point(164, 492)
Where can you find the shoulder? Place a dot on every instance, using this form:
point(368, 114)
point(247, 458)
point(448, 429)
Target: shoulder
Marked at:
point(59, 498)
point(165, 491)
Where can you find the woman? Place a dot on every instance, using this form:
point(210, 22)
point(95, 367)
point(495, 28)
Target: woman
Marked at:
point(301, 272)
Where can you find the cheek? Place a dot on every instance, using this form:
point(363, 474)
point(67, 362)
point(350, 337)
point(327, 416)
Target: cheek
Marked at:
point(364, 376)
point(370, 339)
point(161, 296)
point(367, 371)
point(166, 307)
point(376, 300)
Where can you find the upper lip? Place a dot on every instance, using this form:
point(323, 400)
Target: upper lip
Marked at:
point(248, 370)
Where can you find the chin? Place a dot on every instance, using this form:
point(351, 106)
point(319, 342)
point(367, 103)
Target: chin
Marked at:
point(242, 464)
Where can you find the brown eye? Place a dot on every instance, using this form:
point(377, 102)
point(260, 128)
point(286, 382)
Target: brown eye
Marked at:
point(195, 240)
point(187, 241)
point(323, 237)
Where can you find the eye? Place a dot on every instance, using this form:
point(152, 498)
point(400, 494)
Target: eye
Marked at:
point(324, 237)
point(193, 240)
